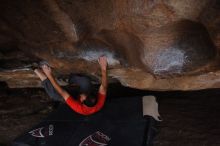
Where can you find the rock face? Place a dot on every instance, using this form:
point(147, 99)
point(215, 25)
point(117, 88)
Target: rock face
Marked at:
point(150, 44)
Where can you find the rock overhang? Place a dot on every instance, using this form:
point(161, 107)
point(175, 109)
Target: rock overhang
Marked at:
point(151, 45)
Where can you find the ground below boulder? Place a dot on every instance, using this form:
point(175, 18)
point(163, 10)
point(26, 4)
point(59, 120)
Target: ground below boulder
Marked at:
point(189, 118)
point(151, 45)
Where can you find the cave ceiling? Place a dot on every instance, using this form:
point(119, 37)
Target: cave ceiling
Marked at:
point(150, 44)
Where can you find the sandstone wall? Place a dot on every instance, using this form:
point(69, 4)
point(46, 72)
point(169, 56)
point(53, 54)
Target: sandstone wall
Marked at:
point(150, 44)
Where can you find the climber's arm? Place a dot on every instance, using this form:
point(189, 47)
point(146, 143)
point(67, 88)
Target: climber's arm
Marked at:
point(48, 72)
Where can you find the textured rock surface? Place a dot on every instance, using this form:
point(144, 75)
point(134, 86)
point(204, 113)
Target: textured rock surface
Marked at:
point(150, 44)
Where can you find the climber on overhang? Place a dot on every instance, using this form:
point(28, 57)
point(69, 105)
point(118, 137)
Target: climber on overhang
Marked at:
point(84, 103)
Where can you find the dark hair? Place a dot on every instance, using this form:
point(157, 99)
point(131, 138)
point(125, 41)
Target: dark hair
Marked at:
point(90, 101)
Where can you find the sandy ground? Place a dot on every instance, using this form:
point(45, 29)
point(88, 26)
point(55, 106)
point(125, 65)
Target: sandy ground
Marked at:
point(189, 118)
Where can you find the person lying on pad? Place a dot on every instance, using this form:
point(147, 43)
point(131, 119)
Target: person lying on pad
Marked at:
point(84, 104)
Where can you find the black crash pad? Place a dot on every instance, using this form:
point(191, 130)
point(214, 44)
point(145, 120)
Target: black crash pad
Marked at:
point(119, 123)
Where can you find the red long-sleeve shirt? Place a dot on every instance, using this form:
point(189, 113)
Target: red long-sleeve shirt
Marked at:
point(80, 108)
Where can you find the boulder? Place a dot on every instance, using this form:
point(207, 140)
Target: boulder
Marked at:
point(150, 45)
